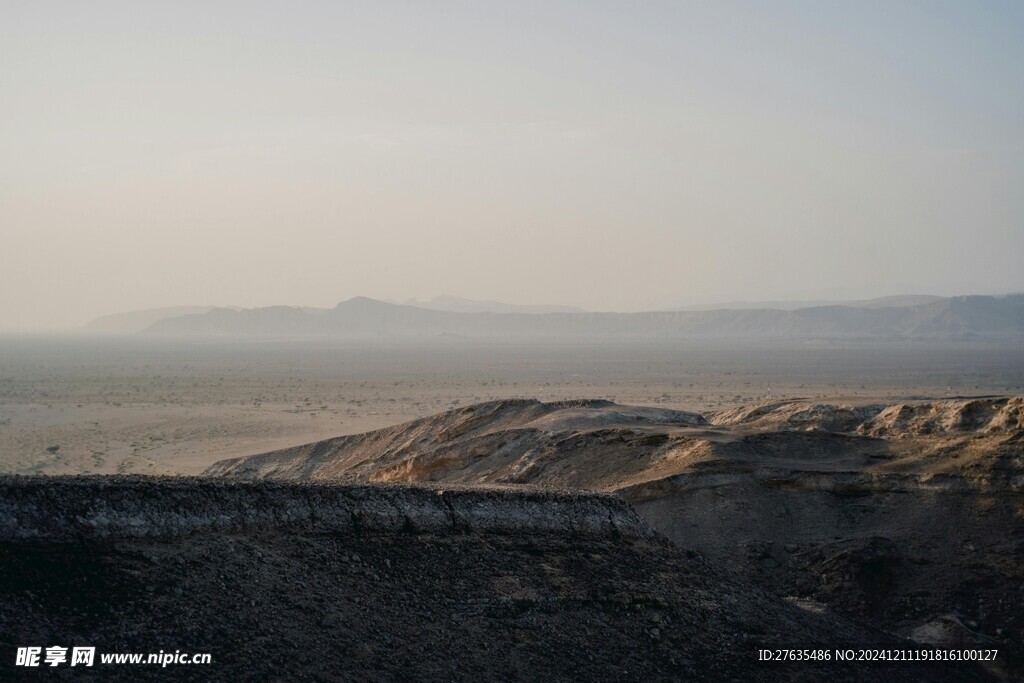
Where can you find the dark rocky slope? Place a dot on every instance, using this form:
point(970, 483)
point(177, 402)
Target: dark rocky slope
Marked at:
point(300, 581)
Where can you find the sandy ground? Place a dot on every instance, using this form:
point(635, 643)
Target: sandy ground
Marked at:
point(110, 406)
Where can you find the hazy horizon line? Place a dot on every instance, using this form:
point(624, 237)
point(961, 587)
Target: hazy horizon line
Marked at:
point(804, 302)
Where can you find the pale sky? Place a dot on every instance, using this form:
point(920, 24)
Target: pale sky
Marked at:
point(609, 155)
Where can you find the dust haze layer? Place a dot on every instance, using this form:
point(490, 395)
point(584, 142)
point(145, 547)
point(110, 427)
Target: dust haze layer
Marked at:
point(907, 515)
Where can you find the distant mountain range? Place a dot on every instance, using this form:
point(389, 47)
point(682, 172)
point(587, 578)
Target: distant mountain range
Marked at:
point(962, 317)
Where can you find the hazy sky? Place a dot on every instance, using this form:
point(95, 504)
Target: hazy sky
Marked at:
point(611, 155)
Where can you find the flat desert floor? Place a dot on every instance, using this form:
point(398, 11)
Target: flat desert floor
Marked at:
point(132, 405)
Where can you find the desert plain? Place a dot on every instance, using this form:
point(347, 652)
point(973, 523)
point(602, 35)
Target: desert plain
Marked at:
point(73, 405)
